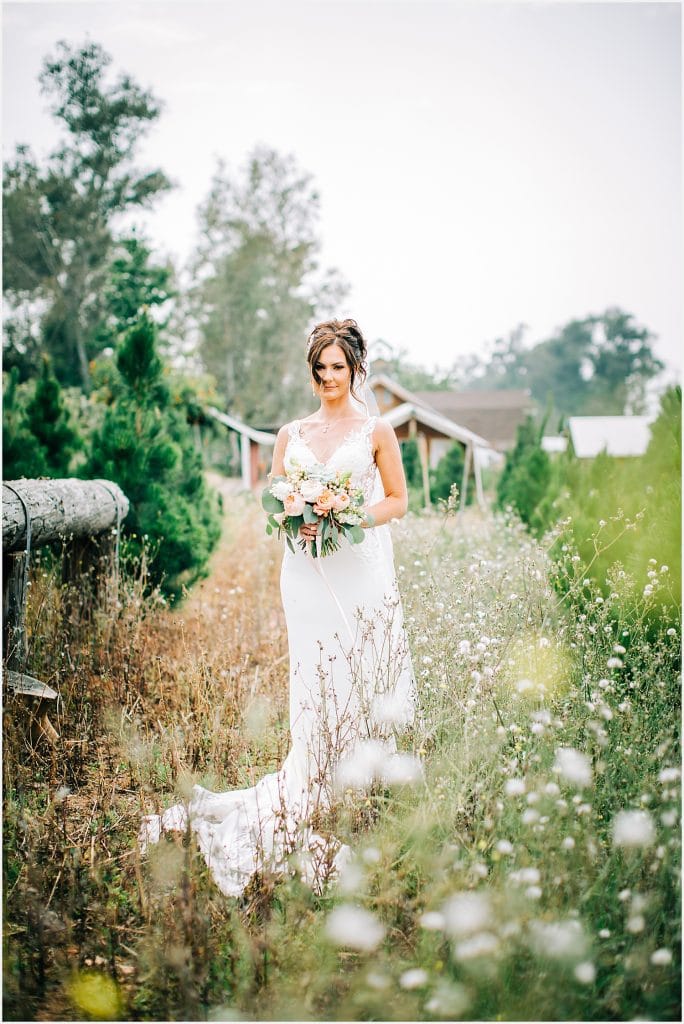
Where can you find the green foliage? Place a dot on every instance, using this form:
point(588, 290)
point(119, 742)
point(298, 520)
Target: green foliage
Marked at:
point(145, 445)
point(260, 286)
point(59, 217)
point(22, 454)
point(449, 471)
point(600, 364)
point(39, 438)
point(526, 476)
point(625, 519)
point(50, 423)
point(410, 457)
point(136, 284)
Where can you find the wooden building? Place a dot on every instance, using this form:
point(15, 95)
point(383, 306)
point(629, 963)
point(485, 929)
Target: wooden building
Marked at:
point(434, 433)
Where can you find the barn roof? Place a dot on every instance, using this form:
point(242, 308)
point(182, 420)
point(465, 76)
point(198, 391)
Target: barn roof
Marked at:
point(616, 435)
point(409, 410)
point(494, 414)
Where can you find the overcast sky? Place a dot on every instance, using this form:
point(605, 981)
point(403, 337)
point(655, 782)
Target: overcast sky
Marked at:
point(479, 165)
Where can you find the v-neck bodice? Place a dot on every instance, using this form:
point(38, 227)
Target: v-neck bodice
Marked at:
point(353, 454)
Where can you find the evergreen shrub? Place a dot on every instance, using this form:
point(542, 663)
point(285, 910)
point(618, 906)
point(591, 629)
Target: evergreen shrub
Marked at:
point(146, 446)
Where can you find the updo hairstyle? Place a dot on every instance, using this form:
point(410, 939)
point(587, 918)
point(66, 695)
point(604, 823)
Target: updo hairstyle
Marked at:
point(347, 335)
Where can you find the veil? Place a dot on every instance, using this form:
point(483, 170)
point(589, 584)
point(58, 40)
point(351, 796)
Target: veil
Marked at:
point(367, 403)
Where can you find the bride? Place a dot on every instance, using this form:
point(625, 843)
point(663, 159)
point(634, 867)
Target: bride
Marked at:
point(351, 681)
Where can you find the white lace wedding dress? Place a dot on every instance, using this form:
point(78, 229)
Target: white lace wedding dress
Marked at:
point(350, 680)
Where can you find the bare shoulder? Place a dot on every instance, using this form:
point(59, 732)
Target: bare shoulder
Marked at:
point(383, 433)
point(284, 432)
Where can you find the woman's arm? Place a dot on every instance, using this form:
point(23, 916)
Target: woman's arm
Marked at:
point(390, 466)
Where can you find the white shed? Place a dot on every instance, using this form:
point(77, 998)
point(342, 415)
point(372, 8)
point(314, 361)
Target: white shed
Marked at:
point(621, 436)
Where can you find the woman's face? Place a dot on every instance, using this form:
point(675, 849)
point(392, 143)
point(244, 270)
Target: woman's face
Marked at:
point(333, 372)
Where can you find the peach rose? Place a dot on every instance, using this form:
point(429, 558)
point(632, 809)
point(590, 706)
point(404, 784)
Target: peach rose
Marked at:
point(324, 503)
point(294, 504)
point(340, 501)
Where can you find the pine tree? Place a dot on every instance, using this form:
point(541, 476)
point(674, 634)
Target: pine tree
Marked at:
point(145, 445)
point(22, 453)
point(50, 423)
point(449, 471)
point(526, 475)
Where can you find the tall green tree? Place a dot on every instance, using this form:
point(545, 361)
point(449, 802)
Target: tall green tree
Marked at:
point(135, 284)
point(59, 217)
point(261, 285)
point(597, 365)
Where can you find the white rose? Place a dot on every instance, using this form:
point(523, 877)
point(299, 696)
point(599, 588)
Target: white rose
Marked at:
point(311, 490)
point(280, 489)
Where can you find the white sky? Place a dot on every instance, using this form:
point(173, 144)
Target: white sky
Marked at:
point(478, 164)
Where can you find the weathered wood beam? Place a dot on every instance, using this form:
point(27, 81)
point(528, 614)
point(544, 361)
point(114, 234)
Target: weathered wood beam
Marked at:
point(59, 510)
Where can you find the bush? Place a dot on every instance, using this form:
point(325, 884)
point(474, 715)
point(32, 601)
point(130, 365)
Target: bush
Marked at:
point(38, 436)
point(145, 445)
point(526, 477)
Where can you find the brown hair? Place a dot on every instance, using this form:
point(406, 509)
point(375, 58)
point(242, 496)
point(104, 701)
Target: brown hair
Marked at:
point(347, 335)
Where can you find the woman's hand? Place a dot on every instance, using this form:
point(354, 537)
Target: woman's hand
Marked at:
point(308, 531)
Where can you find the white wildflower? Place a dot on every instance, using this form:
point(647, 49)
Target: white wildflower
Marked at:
point(466, 913)
point(573, 766)
point(402, 770)
point(661, 957)
point(354, 927)
point(525, 876)
point(514, 787)
point(387, 709)
point(416, 977)
point(614, 663)
point(450, 1000)
point(432, 921)
point(559, 940)
point(669, 775)
point(371, 855)
point(481, 944)
point(504, 846)
point(633, 829)
point(585, 972)
point(362, 767)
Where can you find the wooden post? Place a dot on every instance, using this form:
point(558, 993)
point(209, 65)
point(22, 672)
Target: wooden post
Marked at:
point(466, 474)
point(478, 479)
point(423, 452)
point(14, 610)
point(246, 462)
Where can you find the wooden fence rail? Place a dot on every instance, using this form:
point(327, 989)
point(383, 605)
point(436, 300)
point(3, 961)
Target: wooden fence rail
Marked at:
point(85, 516)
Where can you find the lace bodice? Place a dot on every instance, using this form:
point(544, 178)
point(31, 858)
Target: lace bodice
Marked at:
point(354, 452)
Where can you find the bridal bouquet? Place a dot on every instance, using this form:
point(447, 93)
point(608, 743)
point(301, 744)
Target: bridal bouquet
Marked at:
point(315, 495)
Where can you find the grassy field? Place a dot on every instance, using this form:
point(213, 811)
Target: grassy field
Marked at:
point(532, 875)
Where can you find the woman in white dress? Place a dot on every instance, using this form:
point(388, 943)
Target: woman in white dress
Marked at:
point(351, 681)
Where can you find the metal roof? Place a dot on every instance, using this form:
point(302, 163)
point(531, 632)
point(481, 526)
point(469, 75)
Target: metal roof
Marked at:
point(621, 436)
point(409, 410)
